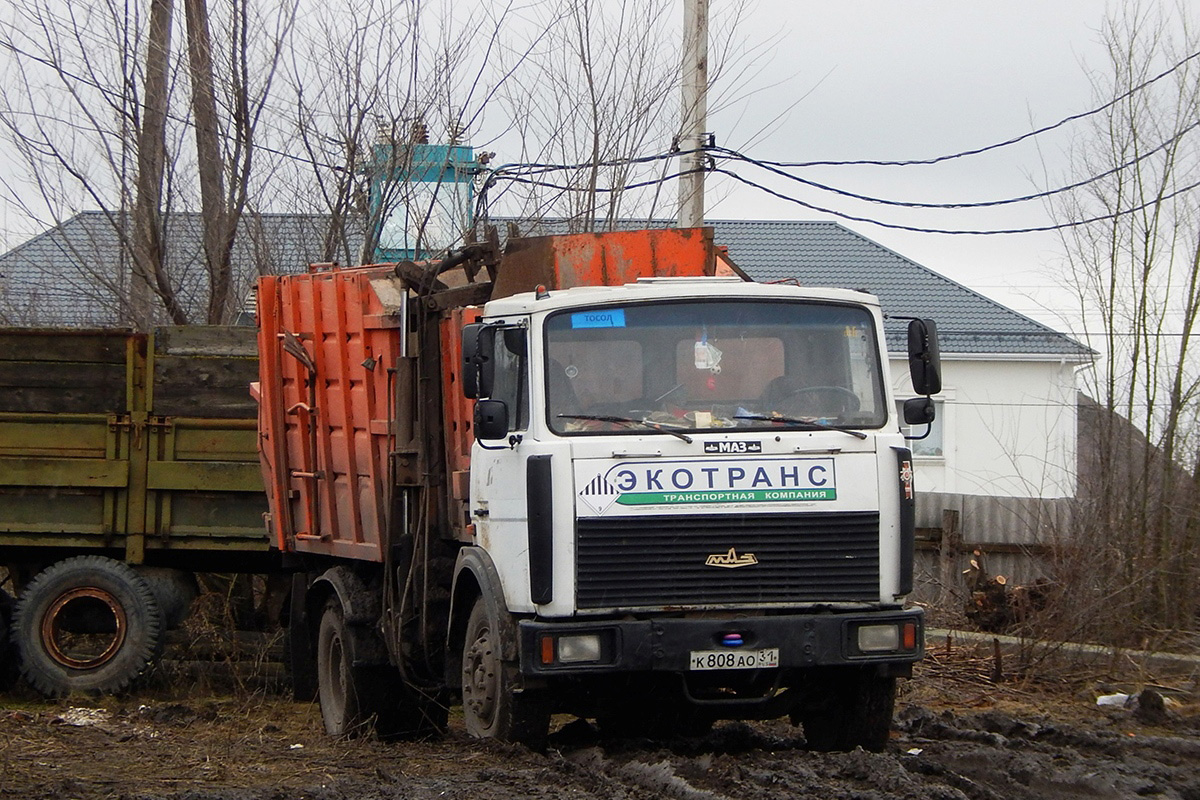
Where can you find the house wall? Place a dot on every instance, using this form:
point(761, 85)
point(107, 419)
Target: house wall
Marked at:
point(1008, 427)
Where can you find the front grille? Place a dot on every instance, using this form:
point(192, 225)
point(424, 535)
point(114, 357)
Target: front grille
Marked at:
point(628, 562)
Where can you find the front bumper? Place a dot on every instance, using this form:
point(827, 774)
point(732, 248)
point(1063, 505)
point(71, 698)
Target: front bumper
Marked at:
point(664, 644)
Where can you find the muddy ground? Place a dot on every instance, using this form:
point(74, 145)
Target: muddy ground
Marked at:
point(959, 733)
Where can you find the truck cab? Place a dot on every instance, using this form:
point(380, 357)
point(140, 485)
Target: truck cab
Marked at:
point(691, 500)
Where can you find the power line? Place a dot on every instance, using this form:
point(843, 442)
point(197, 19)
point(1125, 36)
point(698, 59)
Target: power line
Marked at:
point(765, 163)
point(997, 145)
point(771, 167)
point(543, 167)
point(603, 189)
point(958, 232)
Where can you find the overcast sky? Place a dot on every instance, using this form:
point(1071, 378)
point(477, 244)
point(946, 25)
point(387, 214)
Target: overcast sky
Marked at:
point(883, 79)
point(886, 79)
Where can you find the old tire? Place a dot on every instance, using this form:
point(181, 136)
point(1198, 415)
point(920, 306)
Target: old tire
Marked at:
point(492, 708)
point(86, 624)
point(854, 709)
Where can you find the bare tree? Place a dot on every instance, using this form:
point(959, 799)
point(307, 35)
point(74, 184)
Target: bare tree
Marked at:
point(114, 118)
point(99, 113)
point(1137, 278)
point(363, 95)
point(599, 89)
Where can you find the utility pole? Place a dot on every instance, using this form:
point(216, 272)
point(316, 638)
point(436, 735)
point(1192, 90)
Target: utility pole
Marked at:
point(695, 112)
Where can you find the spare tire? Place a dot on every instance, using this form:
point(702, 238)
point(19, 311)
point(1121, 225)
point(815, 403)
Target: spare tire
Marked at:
point(86, 624)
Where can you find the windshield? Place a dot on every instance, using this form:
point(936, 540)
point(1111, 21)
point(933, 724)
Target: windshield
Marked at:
point(711, 365)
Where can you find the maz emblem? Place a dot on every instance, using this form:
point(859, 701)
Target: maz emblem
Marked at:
point(731, 559)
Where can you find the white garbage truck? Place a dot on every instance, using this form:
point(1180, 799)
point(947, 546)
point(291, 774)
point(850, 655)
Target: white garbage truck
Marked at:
point(658, 503)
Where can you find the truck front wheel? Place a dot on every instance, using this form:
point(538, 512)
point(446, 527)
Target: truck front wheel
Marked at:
point(851, 709)
point(492, 709)
point(86, 624)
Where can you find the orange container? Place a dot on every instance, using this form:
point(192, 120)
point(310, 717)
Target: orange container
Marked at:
point(328, 343)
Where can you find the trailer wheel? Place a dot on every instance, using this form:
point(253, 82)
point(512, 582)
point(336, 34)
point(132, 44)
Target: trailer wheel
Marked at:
point(174, 589)
point(335, 680)
point(86, 624)
point(8, 653)
point(855, 710)
point(492, 709)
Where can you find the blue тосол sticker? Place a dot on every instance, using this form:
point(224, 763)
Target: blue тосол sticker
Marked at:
point(604, 318)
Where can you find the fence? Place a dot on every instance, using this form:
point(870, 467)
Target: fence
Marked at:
point(1014, 534)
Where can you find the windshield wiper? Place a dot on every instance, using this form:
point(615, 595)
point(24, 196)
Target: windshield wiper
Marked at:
point(808, 424)
point(654, 426)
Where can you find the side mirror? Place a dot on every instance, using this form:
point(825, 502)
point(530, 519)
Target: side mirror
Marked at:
point(486, 359)
point(924, 357)
point(470, 360)
point(491, 419)
point(478, 370)
point(919, 411)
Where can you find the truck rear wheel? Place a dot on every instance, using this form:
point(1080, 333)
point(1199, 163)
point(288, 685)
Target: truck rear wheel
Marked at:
point(492, 709)
point(853, 710)
point(335, 682)
point(86, 624)
point(359, 698)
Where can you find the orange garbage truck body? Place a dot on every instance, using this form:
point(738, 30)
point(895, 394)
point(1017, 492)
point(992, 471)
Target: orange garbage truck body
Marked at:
point(546, 481)
point(327, 340)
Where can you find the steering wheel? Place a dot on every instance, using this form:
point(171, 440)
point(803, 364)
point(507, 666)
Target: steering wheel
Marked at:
point(843, 400)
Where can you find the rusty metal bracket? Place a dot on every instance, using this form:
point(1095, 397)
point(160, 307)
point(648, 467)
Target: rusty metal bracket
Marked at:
point(135, 427)
point(292, 346)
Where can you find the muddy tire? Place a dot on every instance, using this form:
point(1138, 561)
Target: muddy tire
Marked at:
point(86, 624)
point(357, 698)
point(853, 710)
point(174, 589)
point(492, 708)
point(335, 677)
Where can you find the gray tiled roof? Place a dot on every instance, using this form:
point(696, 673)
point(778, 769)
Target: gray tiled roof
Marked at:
point(73, 274)
point(829, 254)
point(49, 280)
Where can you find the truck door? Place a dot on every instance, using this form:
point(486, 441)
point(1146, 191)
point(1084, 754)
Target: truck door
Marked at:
point(501, 466)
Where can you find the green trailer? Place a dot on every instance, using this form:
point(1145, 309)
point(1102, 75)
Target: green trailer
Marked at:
point(127, 464)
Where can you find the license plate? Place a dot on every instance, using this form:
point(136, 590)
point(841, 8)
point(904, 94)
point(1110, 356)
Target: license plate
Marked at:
point(734, 659)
